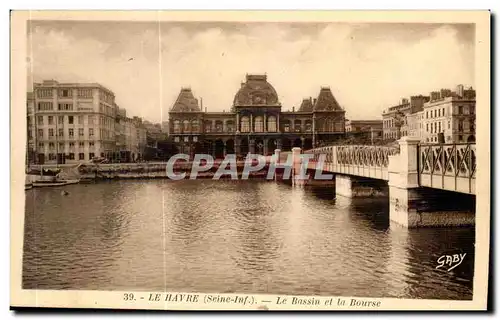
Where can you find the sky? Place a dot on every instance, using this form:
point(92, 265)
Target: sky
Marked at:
point(368, 67)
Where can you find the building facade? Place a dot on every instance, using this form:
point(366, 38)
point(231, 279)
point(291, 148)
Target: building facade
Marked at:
point(256, 122)
point(73, 122)
point(444, 116)
point(451, 114)
point(395, 119)
point(130, 137)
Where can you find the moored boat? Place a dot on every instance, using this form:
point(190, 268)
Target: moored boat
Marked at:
point(54, 183)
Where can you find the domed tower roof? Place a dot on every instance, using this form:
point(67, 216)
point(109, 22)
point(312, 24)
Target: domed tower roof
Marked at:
point(186, 102)
point(306, 105)
point(326, 101)
point(256, 91)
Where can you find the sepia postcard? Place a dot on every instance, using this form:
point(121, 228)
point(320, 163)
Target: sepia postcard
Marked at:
point(250, 160)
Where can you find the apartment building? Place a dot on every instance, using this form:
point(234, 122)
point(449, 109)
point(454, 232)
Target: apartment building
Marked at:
point(451, 114)
point(395, 118)
point(72, 122)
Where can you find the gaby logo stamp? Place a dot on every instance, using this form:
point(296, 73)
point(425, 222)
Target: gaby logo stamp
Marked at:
point(450, 261)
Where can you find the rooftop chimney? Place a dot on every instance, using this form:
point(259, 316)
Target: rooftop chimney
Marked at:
point(460, 90)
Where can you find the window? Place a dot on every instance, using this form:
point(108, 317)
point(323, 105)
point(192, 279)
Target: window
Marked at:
point(44, 93)
point(60, 120)
point(40, 133)
point(176, 139)
point(91, 155)
point(52, 156)
point(245, 124)
point(460, 138)
point(286, 125)
point(185, 126)
point(81, 156)
point(80, 119)
point(40, 119)
point(271, 124)
point(427, 114)
point(65, 93)
point(219, 126)
point(70, 119)
point(449, 124)
point(71, 144)
point(439, 112)
point(442, 112)
point(80, 132)
point(85, 93)
point(41, 145)
point(61, 146)
point(259, 124)
point(51, 120)
point(229, 126)
point(44, 106)
point(51, 132)
point(460, 125)
point(471, 110)
point(460, 109)
point(65, 106)
point(194, 126)
point(91, 143)
point(61, 132)
point(91, 119)
point(427, 127)
point(71, 132)
point(297, 125)
point(439, 126)
point(81, 144)
point(51, 145)
point(30, 134)
point(71, 156)
point(186, 139)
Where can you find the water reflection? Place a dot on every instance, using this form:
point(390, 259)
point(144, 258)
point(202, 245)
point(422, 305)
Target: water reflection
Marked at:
point(227, 236)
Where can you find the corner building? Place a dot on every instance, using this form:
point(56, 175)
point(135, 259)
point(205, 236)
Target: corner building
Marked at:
point(256, 122)
point(75, 122)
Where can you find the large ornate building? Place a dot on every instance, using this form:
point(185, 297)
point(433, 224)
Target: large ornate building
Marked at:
point(256, 122)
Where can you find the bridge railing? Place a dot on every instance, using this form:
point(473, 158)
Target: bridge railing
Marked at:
point(452, 160)
point(360, 155)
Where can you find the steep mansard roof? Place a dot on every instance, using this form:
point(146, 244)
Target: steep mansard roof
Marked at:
point(326, 101)
point(186, 102)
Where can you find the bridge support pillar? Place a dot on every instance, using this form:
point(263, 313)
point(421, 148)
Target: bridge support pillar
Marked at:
point(354, 187)
point(411, 206)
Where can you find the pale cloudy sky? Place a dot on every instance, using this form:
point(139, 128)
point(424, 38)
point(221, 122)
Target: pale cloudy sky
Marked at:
point(368, 66)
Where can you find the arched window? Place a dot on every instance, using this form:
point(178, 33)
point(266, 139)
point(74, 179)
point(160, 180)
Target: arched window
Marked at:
point(245, 124)
point(194, 126)
point(271, 124)
point(185, 125)
point(259, 124)
point(177, 126)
